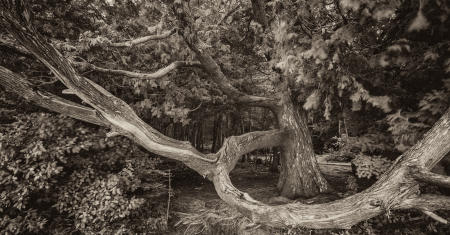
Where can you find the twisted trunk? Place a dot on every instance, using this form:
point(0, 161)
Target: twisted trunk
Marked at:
point(300, 174)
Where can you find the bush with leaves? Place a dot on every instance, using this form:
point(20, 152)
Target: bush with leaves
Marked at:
point(58, 175)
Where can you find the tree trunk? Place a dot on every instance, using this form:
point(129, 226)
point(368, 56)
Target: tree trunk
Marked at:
point(300, 174)
point(214, 134)
point(275, 163)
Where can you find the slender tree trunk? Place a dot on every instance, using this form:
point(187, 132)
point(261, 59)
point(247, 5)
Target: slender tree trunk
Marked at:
point(214, 134)
point(275, 162)
point(300, 175)
point(198, 143)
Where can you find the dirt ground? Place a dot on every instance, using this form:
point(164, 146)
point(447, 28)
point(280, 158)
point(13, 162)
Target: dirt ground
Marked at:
point(197, 209)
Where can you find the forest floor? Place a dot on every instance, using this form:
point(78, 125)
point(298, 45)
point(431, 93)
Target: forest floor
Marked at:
point(197, 209)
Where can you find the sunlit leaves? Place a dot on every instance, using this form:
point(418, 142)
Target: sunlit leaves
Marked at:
point(312, 102)
point(362, 94)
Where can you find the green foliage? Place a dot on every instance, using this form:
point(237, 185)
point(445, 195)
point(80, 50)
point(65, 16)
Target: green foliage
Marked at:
point(407, 127)
point(58, 175)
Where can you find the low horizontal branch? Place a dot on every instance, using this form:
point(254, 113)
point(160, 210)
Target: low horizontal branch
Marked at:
point(426, 176)
point(144, 39)
point(158, 74)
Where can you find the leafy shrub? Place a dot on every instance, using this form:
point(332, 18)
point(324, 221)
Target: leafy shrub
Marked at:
point(370, 166)
point(60, 176)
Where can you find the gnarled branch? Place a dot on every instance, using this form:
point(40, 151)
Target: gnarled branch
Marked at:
point(392, 191)
point(236, 146)
point(144, 76)
point(212, 68)
point(20, 86)
point(144, 39)
point(113, 110)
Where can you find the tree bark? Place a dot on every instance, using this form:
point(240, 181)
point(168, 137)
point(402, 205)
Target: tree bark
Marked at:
point(300, 174)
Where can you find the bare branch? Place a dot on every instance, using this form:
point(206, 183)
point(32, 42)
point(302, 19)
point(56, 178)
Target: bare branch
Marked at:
point(144, 76)
point(392, 191)
point(113, 110)
point(435, 217)
point(424, 175)
point(140, 40)
point(19, 85)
